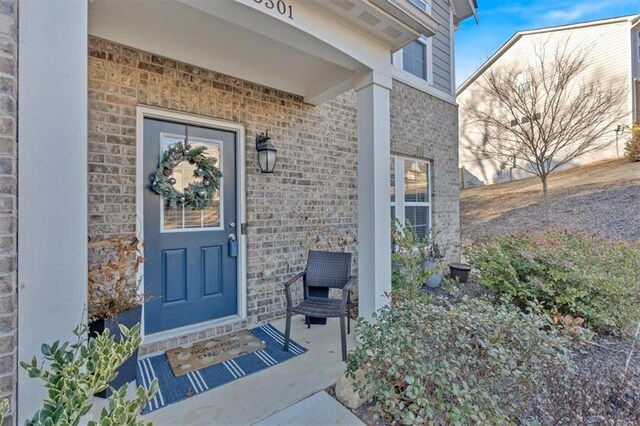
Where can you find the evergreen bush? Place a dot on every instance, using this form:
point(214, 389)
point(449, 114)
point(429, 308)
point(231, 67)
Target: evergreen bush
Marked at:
point(568, 272)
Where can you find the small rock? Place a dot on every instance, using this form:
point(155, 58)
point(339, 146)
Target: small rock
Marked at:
point(347, 395)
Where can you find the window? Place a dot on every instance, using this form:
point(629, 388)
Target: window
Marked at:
point(523, 81)
point(414, 59)
point(410, 194)
point(639, 45)
point(422, 4)
point(183, 219)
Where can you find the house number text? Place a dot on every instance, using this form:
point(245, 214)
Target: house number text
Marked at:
point(279, 6)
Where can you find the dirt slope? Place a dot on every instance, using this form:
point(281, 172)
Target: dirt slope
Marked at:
point(603, 197)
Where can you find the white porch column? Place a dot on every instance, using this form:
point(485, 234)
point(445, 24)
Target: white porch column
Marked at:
point(52, 181)
point(374, 217)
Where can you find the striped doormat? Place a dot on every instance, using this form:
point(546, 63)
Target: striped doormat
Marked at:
point(173, 389)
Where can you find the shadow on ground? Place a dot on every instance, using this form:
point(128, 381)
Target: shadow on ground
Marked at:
point(610, 210)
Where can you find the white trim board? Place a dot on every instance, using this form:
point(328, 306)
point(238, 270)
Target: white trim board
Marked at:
point(143, 112)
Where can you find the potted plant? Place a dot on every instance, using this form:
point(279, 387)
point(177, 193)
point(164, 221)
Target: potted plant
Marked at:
point(408, 274)
point(114, 297)
point(73, 372)
point(460, 271)
point(434, 254)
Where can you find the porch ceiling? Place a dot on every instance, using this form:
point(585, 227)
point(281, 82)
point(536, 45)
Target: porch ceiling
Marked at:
point(239, 39)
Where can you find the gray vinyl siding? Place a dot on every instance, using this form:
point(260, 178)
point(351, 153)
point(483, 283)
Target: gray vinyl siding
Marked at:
point(442, 45)
point(635, 55)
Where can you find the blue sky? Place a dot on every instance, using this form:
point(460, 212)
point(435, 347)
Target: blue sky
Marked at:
point(500, 19)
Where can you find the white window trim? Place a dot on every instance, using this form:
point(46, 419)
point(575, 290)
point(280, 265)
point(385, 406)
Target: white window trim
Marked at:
point(427, 4)
point(398, 62)
point(399, 202)
point(425, 86)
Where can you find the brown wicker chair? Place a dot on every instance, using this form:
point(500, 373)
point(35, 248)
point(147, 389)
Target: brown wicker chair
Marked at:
point(324, 269)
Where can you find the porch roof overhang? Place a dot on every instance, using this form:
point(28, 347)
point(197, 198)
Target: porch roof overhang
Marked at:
point(394, 23)
point(462, 9)
point(317, 54)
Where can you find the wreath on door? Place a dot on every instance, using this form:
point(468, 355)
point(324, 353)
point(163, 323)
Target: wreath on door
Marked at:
point(198, 195)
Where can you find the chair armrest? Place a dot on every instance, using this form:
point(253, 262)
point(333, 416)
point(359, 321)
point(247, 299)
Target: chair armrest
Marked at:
point(345, 292)
point(294, 278)
point(287, 285)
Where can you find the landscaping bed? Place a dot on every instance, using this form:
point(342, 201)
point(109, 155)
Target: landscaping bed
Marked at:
point(544, 332)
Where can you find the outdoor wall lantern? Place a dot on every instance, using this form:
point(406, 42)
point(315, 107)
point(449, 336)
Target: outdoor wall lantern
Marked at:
point(266, 153)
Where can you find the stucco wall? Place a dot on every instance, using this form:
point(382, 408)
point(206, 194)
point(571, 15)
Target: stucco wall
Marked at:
point(425, 127)
point(315, 183)
point(8, 209)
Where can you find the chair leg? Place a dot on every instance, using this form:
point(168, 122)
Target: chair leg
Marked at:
point(349, 310)
point(287, 332)
point(343, 338)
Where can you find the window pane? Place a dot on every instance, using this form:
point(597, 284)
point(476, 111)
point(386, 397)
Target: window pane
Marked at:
point(417, 219)
point(420, 3)
point(414, 59)
point(183, 173)
point(416, 185)
point(393, 179)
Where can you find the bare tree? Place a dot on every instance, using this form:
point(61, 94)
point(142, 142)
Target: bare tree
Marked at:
point(542, 116)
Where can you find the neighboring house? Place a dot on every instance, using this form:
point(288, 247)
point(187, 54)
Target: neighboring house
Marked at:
point(92, 92)
point(614, 59)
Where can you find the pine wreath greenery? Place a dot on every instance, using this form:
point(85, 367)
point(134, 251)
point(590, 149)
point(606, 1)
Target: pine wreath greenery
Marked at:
point(198, 195)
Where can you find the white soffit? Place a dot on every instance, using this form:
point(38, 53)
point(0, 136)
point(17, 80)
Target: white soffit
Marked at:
point(393, 23)
point(181, 32)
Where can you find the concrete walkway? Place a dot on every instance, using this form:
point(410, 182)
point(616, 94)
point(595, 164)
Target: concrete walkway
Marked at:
point(320, 409)
point(257, 396)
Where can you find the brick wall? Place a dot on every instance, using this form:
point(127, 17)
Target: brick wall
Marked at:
point(314, 185)
point(8, 202)
point(313, 192)
point(426, 127)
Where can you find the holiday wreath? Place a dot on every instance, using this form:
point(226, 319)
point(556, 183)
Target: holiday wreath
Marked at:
point(198, 194)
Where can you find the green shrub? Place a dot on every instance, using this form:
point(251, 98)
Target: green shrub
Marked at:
point(74, 373)
point(409, 259)
point(468, 363)
point(570, 273)
point(632, 146)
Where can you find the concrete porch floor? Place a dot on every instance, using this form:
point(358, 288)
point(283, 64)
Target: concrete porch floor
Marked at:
point(255, 397)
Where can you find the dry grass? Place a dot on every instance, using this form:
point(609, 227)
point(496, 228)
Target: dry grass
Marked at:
point(603, 197)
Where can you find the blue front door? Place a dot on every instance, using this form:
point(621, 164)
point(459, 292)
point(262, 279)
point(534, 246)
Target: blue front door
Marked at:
point(190, 276)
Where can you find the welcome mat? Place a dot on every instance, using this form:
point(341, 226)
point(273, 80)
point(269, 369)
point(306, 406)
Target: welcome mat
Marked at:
point(173, 388)
point(189, 358)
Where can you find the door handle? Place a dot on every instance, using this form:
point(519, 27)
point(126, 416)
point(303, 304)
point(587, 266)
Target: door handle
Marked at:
point(233, 245)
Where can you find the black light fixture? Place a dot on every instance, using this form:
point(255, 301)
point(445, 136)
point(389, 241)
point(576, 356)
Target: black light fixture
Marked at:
point(266, 153)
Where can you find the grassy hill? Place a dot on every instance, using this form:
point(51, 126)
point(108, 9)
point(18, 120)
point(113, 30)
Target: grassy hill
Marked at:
point(602, 197)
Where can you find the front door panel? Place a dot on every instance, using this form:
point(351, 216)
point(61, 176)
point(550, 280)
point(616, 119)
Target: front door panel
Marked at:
point(189, 275)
